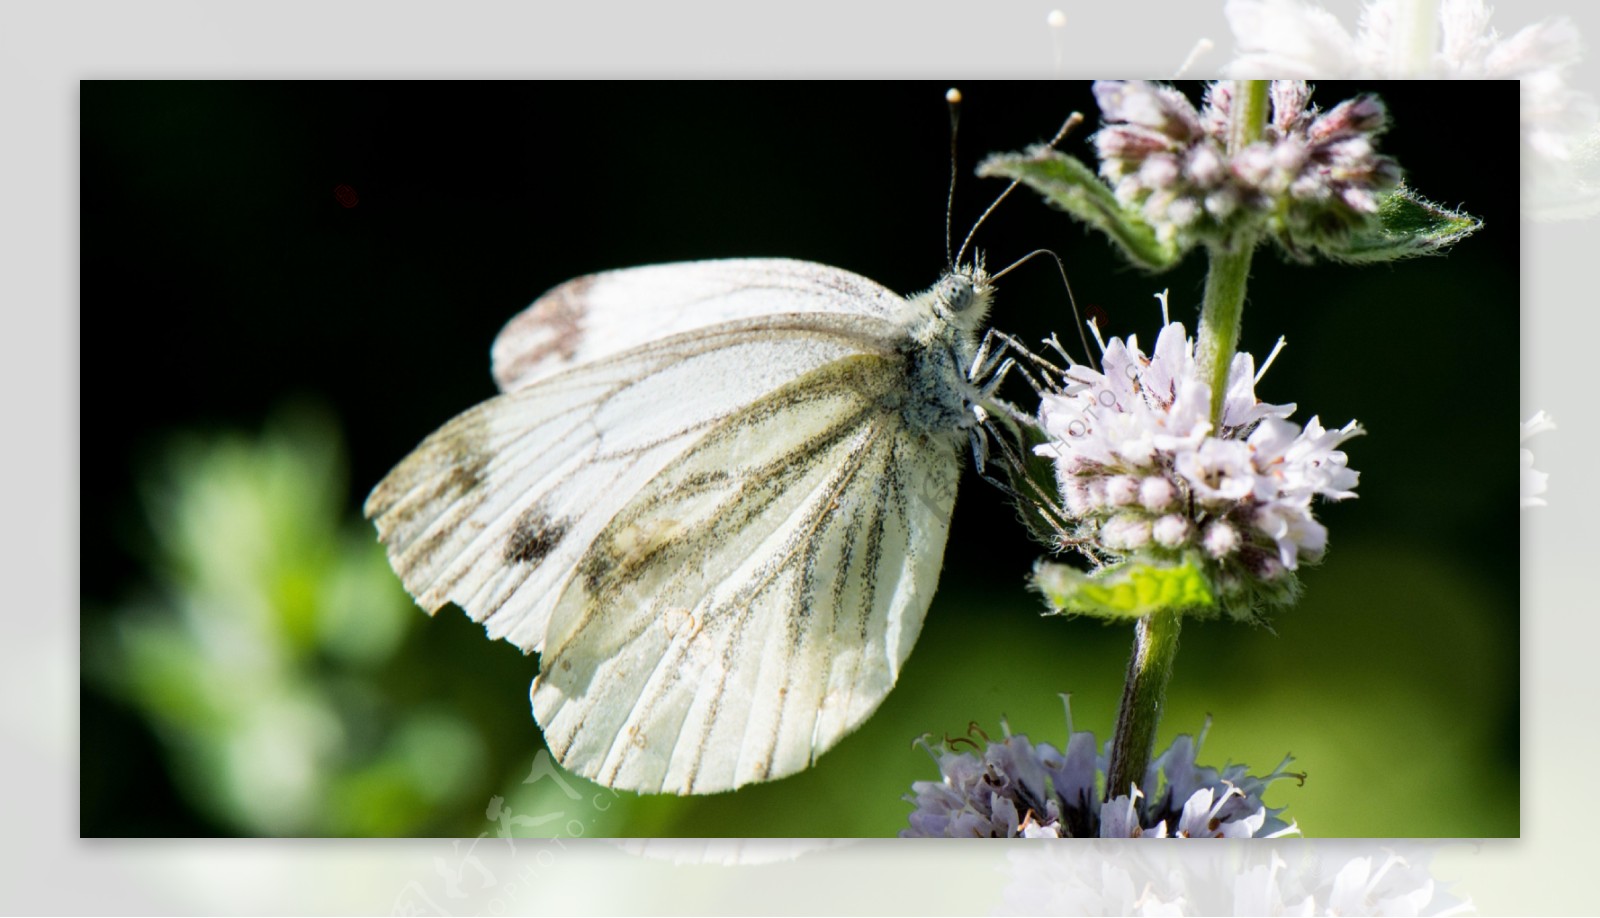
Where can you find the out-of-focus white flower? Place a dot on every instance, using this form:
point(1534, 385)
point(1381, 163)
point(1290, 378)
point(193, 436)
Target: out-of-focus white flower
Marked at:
point(1448, 39)
point(1289, 877)
point(1140, 469)
point(1534, 481)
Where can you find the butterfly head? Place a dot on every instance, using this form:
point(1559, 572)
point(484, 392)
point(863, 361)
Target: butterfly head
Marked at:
point(962, 297)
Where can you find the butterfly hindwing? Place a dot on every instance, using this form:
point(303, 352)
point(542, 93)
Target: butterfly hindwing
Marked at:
point(756, 604)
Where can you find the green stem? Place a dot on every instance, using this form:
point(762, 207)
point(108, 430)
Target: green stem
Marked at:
point(1248, 113)
point(1155, 646)
point(1219, 321)
point(1230, 267)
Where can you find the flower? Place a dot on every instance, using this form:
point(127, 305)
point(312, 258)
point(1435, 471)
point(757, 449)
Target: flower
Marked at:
point(1312, 178)
point(1291, 38)
point(1017, 789)
point(1140, 469)
point(1293, 877)
point(1533, 481)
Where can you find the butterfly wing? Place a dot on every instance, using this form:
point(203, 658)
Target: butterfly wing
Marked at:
point(598, 316)
point(756, 602)
point(724, 543)
point(494, 511)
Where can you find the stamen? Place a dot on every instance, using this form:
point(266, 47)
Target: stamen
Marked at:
point(1097, 339)
point(952, 740)
point(1270, 357)
point(1232, 792)
point(1054, 344)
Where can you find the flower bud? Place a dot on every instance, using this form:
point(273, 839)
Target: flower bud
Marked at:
point(1126, 532)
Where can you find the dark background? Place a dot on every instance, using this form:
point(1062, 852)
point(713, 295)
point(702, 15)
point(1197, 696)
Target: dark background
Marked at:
point(222, 278)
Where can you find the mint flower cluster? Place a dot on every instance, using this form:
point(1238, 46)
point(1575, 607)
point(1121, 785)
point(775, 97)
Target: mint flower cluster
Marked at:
point(1014, 788)
point(1189, 496)
point(1141, 470)
point(1312, 178)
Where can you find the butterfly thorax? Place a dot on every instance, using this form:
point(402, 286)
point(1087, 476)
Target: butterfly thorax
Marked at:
point(943, 325)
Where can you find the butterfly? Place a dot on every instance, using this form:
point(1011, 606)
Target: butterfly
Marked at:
point(713, 496)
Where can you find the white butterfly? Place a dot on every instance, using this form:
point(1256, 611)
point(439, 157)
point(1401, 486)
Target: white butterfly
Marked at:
point(713, 496)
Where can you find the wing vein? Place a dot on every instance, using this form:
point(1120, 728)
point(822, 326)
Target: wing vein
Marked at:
point(840, 482)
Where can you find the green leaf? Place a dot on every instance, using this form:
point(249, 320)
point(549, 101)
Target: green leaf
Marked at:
point(1129, 589)
point(1408, 225)
point(1067, 183)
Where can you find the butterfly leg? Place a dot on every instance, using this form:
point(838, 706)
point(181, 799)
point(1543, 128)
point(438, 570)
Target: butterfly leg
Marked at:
point(978, 436)
point(1000, 354)
point(981, 365)
point(979, 443)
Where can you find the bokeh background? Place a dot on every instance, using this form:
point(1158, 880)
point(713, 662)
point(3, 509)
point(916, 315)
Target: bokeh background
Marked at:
point(286, 285)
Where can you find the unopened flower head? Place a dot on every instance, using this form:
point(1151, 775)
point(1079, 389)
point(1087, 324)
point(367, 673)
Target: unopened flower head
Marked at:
point(1011, 788)
point(1534, 481)
point(1141, 470)
point(1313, 177)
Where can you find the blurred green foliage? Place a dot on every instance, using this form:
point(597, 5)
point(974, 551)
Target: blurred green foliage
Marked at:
point(261, 654)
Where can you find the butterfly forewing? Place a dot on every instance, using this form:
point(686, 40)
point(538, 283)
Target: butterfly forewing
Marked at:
point(595, 317)
point(494, 510)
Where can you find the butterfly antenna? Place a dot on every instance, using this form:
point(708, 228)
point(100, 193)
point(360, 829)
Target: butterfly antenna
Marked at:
point(952, 97)
point(1076, 317)
point(1072, 121)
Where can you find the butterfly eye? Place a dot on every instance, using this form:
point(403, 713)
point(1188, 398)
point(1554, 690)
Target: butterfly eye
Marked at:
point(955, 292)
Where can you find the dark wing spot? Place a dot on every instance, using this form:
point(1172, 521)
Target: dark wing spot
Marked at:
point(447, 466)
point(553, 327)
point(534, 537)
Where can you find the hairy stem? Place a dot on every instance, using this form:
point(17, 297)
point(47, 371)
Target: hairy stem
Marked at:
point(1247, 116)
point(1229, 272)
point(1155, 646)
point(1219, 321)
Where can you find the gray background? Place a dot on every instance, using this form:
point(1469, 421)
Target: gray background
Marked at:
point(44, 51)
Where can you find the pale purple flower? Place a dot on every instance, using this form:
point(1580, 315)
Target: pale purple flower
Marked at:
point(1013, 788)
point(1141, 470)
